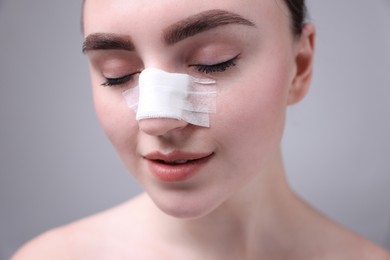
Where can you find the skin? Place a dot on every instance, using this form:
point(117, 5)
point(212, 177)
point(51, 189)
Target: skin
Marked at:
point(239, 204)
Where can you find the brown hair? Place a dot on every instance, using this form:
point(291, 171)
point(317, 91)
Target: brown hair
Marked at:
point(298, 12)
point(297, 8)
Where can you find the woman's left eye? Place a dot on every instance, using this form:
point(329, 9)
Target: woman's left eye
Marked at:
point(219, 67)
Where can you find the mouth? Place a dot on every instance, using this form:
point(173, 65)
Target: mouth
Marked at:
point(176, 158)
point(177, 162)
point(176, 166)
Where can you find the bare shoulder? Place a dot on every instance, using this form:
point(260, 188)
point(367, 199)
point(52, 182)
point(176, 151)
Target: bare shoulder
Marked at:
point(94, 237)
point(52, 244)
point(361, 248)
point(375, 252)
point(335, 242)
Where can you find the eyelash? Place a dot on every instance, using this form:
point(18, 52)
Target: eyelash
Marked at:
point(118, 81)
point(219, 67)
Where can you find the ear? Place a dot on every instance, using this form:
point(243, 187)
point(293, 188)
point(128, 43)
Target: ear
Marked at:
point(304, 55)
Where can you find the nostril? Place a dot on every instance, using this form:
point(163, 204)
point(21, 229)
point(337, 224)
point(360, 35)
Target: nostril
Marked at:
point(160, 126)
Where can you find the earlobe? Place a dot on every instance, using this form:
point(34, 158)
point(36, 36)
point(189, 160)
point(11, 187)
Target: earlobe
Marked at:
point(303, 65)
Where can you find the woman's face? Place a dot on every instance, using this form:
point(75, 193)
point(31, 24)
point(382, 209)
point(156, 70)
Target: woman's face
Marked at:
point(251, 54)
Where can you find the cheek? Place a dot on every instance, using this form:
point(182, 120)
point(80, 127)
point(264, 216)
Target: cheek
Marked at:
point(117, 120)
point(252, 113)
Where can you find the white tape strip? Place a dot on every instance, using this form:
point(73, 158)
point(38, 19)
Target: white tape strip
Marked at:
point(161, 94)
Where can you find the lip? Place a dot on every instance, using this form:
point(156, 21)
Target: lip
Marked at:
point(163, 167)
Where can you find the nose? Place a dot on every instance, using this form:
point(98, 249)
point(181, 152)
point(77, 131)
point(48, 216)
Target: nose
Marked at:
point(160, 126)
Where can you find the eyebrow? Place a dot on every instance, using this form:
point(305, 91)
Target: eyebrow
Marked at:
point(201, 22)
point(107, 41)
point(175, 33)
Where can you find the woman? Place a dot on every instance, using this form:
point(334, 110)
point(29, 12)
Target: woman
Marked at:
point(215, 190)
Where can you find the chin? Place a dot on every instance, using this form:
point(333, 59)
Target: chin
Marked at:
point(185, 206)
point(181, 212)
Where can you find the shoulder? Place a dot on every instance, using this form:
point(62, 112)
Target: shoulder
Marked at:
point(371, 251)
point(358, 247)
point(76, 240)
point(88, 238)
point(333, 242)
point(361, 248)
point(50, 245)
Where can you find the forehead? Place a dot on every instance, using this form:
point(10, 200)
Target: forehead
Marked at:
point(122, 16)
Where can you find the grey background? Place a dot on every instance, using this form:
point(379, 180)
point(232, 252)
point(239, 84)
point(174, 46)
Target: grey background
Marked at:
point(57, 166)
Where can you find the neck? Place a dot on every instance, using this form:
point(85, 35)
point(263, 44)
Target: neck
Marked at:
point(247, 223)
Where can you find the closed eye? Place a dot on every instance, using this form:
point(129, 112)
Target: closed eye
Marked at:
point(219, 67)
point(119, 81)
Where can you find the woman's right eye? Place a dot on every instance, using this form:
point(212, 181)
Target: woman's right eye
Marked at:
point(119, 81)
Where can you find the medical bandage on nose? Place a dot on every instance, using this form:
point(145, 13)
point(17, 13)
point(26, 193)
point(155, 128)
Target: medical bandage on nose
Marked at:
point(161, 94)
